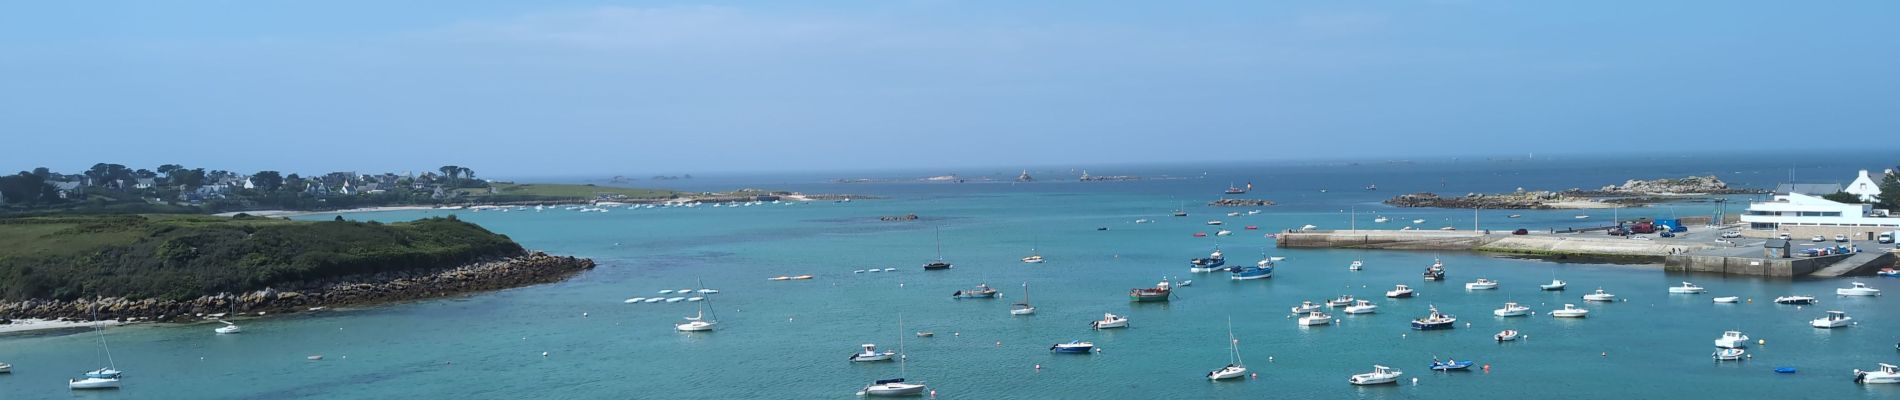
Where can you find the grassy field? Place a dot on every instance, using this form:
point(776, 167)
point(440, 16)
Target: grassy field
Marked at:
point(568, 192)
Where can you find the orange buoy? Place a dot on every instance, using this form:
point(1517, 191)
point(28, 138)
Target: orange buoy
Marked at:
point(1487, 368)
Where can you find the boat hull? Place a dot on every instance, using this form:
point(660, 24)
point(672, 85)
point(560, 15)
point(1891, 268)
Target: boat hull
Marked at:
point(1432, 326)
point(1866, 377)
point(1569, 314)
point(1247, 275)
point(1362, 310)
point(894, 390)
point(1109, 325)
point(1146, 297)
point(93, 384)
point(1830, 323)
point(1399, 295)
point(1856, 292)
point(1511, 312)
point(1227, 373)
point(1373, 379)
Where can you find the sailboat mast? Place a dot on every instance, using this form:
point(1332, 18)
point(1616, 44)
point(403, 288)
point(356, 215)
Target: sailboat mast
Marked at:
point(902, 371)
point(102, 336)
point(939, 244)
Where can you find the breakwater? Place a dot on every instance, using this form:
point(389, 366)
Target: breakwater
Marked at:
point(535, 268)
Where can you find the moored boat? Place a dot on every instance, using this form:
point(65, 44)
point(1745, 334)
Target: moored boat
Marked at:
point(1888, 373)
point(1235, 366)
point(1159, 292)
point(1073, 347)
point(1727, 299)
point(870, 354)
point(1858, 289)
point(1261, 270)
point(981, 291)
point(1023, 308)
point(1506, 335)
point(1380, 375)
point(1341, 301)
point(896, 386)
point(1316, 318)
point(1599, 295)
point(1362, 307)
point(1109, 321)
point(1834, 319)
point(1481, 284)
point(1795, 300)
point(1731, 340)
point(1729, 354)
point(1436, 272)
point(1305, 307)
point(1434, 321)
point(1399, 292)
point(1570, 311)
point(1451, 365)
point(1554, 285)
point(1355, 266)
point(1213, 262)
point(1512, 309)
point(1686, 288)
point(92, 383)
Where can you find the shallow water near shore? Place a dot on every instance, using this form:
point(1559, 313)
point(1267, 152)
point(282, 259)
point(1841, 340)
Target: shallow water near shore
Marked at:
point(789, 339)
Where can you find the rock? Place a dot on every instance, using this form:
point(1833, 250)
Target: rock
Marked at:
point(1513, 201)
point(1240, 203)
point(1686, 185)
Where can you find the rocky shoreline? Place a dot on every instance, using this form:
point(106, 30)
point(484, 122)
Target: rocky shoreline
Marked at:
point(1240, 203)
point(525, 270)
point(1517, 201)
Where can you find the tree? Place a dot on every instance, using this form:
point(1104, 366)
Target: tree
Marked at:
point(43, 173)
point(26, 188)
point(295, 183)
point(267, 181)
point(450, 171)
point(145, 173)
point(190, 179)
point(1890, 190)
point(1842, 197)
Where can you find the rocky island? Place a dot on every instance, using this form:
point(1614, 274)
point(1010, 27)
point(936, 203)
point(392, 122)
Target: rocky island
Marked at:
point(1632, 193)
point(1240, 203)
point(172, 267)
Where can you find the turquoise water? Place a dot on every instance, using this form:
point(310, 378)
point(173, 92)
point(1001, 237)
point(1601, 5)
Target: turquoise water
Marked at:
point(790, 339)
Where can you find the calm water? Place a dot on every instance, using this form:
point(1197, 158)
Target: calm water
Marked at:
point(790, 339)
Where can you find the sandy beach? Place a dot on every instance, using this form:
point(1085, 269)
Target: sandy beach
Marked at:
point(24, 325)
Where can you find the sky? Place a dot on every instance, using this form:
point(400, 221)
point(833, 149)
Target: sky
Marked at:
point(604, 87)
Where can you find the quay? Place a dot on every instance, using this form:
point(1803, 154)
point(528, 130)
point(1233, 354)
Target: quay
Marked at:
point(1689, 252)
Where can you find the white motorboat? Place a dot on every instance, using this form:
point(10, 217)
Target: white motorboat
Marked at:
point(1418, 221)
point(1686, 288)
point(896, 386)
point(1481, 284)
point(1583, 217)
point(1795, 300)
point(228, 328)
point(1728, 299)
point(634, 300)
point(92, 383)
point(1834, 319)
point(1600, 295)
point(1224, 232)
point(1859, 289)
point(1110, 321)
point(1570, 311)
point(1233, 214)
point(871, 354)
point(1034, 259)
point(675, 299)
point(1305, 307)
point(1309, 227)
point(1235, 367)
point(666, 291)
point(1381, 219)
point(653, 300)
point(1342, 301)
point(1729, 354)
point(1023, 308)
point(1362, 307)
point(1355, 266)
point(6, 368)
point(1506, 335)
point(1399, 292)
point(695, 298)
point(1888, 373)
point(1731, 340)
point(1554, 285)
point(1214, 222)
point(1316, 318)
point(1380, 374)
point(1512, 309)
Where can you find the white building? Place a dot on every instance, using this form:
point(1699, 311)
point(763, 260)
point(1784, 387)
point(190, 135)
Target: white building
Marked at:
point(1804, 215)
point(1865, 187)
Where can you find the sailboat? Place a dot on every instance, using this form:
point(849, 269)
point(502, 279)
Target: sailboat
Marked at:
point(698, 322)
point(229, 328)
point(1181, 211)
point(895, 386)
point(1034, 256)
point(1235, 367)
point(103, 378)
point(1023, 308)
point(939, 264)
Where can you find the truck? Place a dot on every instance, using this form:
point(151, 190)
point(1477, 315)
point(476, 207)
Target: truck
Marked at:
point(1887, 237)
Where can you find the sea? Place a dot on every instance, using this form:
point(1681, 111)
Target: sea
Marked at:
point(791, 339)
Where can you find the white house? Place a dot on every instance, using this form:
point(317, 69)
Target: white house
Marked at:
point(1865, 187)
point(1805, 215)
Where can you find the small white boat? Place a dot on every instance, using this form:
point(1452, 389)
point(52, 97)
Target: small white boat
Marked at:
point(1316, 318)
point(698, 322)
point(1362, 307)
point(857, 271)
point(871, 354)
point(1380, 374)
point(1506, 335)
point(653, 300)
point(1859, 289)
point(1686, 288)
point(1110, 321)
point(1233, 214)
point(1731, 340)
point(1554, 285)
point(708, 291)
point(1728, 299)
point(1481, 284)
point(1730, 354)
point(666, 291)
point(1600, 295)
point(1224, 232)
point(1795, 300)
point(1305, 307)
point(1418, 221)
point(1888, 373)
point(1034, 259)
point(1834, 319)
point(695, 298)
point(890, 270)
point(1512, 309)
point(1144, 221)
point(6, 368)
point(1341, 301)
point(1399, 292)
point(228, 328)
point(775, 278)
point(93, 383)
point(634, 300)
point(1570, 311)
point(1309, 227)
point(1235, 367)
point(1214, 222)
point(1381, 219)
point(874, 270)
point(1023, 308)
point(1355, 266)
point(675, 299)
point(1583, 217)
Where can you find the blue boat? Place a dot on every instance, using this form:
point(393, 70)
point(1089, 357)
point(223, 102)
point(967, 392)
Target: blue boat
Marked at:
point(1434, 321)
point(1784, 370)
point(1450, 365)
point(1212, 262)
point(1074, 347)
point(1254, 272)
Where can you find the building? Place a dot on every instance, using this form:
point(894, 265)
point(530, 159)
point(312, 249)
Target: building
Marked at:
point(1811, 189)
point(1865, 187)
point(1802, 215)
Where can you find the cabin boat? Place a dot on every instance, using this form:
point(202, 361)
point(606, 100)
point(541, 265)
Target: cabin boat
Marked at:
point(1211, 263)
point(1434, 321)
point(871, 354)
point(1073, 347)
point(1305, 307)
point(1380, 375)
point(1341, 301)
point(1858, 289)
point(1160, 292)
point(1033, 259)
point(1399, 292)
point(1834, 319)
point(1554, 285)
point(1109, 321)
point(1731, 340)
point(1512, 309)
point(937, 265)
point(1381, 219)
point(1355, 266)
point(982, 291)
point(1262, 270)
point(1570, 311)
point(1316, 318)
point(1599, 295)
point(1214, 222)
point(1435, 272)
point(1795, 300)
point(1686, 288)
point(1888, 373)
point(1506, 335)
point(1362, 307)
point(1481, 284)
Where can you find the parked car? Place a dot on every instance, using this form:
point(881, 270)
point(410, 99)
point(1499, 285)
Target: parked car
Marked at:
point(1521, 231)
point(1840, 238)
point(1731, 234)
point(1666, 234)
point(1785, 236)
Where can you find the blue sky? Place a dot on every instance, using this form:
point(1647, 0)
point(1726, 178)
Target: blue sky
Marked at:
point(584, 87)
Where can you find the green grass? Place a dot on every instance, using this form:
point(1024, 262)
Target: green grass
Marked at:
point(567, 191)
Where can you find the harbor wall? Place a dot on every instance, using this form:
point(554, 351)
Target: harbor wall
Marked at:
point(1382, 239)
point(1754, 266)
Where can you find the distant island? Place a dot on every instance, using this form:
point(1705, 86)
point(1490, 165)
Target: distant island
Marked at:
point(176, 267)
point(1630, 193)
